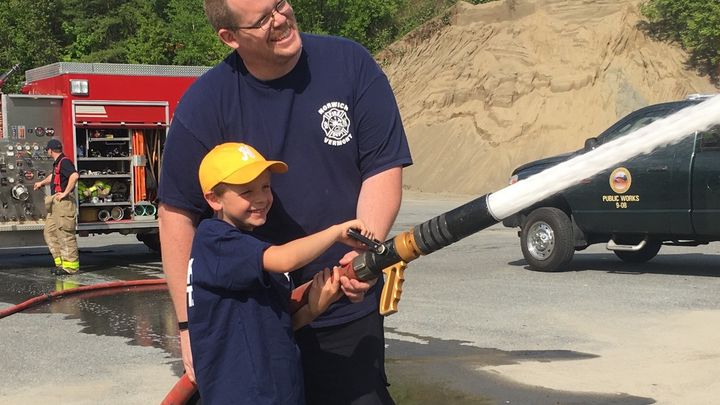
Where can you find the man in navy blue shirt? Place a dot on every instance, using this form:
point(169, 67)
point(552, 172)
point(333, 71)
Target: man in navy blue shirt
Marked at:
point(322, 105)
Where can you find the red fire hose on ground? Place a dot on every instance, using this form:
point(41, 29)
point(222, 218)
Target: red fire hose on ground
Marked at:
point(183, 390)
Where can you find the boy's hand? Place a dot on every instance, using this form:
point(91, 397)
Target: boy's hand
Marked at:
point(357, 225)
point(324, 290)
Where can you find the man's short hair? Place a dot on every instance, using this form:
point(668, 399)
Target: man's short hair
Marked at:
point(54, 145)
point(218, 14)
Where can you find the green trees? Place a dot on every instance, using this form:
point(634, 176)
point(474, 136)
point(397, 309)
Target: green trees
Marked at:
point(38, 32)
point(370, 22)
point(192, 40)
point(139, 31)
point(29, 36)
point(695, 24)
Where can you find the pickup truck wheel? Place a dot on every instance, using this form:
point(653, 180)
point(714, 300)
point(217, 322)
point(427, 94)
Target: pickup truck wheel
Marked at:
point(547, 239)
point(650, 250)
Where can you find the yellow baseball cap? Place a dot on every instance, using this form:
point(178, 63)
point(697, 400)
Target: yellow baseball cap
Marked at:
point(234, 163)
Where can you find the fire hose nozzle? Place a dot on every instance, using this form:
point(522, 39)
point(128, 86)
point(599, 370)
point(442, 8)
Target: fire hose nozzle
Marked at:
point(362, 266)
point(391, 260)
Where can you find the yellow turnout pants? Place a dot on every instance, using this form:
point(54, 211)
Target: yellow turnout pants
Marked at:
point(59, 232)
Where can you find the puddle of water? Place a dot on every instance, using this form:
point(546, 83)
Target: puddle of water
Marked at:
point(143, 314)
point(146, 318)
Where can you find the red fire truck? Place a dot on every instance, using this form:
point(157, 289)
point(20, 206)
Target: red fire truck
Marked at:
point(112, 120)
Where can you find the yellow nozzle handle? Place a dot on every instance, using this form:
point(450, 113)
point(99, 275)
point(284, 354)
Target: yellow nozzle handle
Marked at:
point(390, 297)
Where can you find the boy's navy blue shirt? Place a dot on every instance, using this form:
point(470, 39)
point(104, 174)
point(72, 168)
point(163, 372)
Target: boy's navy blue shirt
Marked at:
point(241, 332)
point(333, 134)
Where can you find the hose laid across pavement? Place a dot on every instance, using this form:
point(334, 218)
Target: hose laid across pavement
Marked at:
point(58, 294)
point(182, 391)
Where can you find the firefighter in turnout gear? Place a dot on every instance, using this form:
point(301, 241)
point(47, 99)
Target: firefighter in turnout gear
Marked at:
point(61, 209)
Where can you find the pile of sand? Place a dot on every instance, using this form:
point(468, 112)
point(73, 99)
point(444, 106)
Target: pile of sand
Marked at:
point(488, 87)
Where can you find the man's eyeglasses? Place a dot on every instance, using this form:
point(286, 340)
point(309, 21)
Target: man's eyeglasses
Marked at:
point(265, 22)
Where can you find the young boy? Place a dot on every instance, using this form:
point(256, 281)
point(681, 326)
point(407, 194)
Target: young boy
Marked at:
point(241, 331)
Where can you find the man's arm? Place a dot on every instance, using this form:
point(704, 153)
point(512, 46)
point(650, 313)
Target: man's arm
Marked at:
point(72, 180)
point(42, 183)
point(378, 206)
point(379, 201)
point(177, 228)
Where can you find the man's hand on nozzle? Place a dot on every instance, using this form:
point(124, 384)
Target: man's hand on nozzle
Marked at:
point(354, 289)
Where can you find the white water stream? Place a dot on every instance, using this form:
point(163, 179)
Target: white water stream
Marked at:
point(666, 131)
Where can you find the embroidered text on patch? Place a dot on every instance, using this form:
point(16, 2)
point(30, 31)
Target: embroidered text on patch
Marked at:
point(335, 123)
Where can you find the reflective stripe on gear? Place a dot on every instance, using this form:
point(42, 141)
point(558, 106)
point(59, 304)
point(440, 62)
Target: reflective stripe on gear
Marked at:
point(58, 262)
point(62, 284)
point(71, 266)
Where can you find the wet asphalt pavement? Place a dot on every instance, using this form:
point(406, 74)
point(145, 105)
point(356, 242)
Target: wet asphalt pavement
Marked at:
point(436, 371)
point(123, 347)
point(110, 346)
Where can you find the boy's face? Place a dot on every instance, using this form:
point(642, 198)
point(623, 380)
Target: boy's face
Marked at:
point(244, 206)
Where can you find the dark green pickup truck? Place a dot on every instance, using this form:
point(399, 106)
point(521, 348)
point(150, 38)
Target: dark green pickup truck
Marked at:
point(668, 197)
